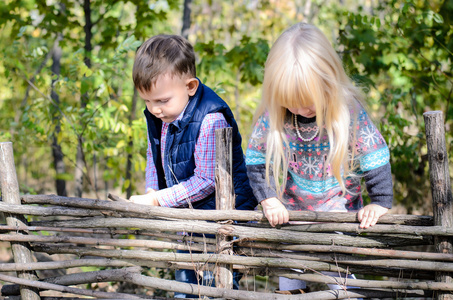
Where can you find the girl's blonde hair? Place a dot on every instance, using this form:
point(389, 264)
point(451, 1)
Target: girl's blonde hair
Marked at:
point(303, 69)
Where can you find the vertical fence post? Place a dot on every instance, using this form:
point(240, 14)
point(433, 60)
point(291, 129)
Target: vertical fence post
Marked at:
point(10, 194)
point(439, 177)
point(224, 199)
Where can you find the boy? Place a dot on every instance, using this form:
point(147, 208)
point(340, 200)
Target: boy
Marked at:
point(182, 115)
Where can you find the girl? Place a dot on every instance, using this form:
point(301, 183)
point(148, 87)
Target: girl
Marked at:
point(313, 141)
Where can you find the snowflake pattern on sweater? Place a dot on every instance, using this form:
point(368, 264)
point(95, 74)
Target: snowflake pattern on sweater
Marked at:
point(310, 184)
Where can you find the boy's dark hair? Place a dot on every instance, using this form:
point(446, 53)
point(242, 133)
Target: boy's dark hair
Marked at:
point(159, 55)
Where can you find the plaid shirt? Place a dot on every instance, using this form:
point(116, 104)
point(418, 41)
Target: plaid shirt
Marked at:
point(202, 183)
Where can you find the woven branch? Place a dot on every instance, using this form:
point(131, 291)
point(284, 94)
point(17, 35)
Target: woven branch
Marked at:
point(66, 264)
point(382, 229)
point(385, 284)
point(107, 242)
point(191, 257)
point(248, 295)
point(65, 289)
point(344, 249)
point(256, 258)
point(74, 279)
point(110, 231)
point(262, 234)
point(147, 211)
point(355, 260)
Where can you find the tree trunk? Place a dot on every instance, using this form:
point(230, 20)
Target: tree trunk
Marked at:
point(78, 174)
point(130, 145)
point(59, 165)
point(88, 32)
point(186, 19)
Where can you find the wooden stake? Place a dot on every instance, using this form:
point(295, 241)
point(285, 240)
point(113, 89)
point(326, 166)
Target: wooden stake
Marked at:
point(224, 188)
point(439, 176)
point(10, 194)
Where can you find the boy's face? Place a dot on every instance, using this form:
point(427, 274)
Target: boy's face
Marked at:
point(169, 96)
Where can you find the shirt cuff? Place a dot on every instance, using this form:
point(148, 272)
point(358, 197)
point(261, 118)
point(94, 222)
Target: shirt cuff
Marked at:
point(165, 198)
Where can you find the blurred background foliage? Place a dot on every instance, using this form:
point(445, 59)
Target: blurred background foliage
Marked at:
point(68, 104)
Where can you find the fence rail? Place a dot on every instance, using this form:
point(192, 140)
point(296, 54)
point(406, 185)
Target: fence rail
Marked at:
point(124, 238)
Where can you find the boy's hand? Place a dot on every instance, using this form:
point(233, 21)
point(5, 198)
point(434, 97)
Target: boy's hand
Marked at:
point(146, 199)
point(275, 211)
point(370, 214)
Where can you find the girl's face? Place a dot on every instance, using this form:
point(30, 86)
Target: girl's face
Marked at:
point(305, 111)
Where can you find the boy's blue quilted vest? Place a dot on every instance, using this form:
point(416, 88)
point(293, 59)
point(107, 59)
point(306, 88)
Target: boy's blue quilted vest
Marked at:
point(181, 140)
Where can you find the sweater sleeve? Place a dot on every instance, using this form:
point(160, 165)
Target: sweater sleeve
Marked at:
point(260, 187)
point(256, 161)
point(374, 158)
point(379, 185)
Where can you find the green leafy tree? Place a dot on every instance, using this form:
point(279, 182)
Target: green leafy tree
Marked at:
point(399, 51)
point(402, 53)
point(94, 67)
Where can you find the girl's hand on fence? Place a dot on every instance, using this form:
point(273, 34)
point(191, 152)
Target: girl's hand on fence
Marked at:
point(370, 214)
point(275, 212)
point(146, 199)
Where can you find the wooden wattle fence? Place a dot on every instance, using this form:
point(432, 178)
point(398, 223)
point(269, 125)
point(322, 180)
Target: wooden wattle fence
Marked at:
point(121, 239)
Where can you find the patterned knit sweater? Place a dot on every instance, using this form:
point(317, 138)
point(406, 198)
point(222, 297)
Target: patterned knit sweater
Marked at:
point(310, 184)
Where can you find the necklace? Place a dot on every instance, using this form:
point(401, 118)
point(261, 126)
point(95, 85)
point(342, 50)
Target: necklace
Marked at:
point(300, 135)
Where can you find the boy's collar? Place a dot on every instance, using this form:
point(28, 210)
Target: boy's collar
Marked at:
point(181, 115)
